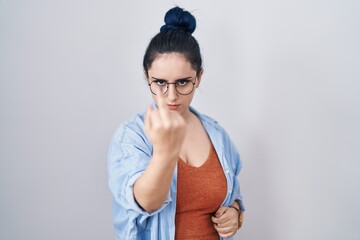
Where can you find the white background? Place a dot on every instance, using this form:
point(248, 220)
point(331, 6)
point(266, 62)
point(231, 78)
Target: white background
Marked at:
point(281, 76)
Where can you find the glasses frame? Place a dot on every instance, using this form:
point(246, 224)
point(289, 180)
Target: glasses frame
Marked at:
point(167, 87)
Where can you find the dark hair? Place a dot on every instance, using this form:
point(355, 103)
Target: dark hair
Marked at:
point(175, 36)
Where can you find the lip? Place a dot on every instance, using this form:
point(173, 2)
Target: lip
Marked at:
point(173, 106)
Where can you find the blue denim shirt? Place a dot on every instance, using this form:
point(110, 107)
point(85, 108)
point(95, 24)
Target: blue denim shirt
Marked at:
point(129, 154)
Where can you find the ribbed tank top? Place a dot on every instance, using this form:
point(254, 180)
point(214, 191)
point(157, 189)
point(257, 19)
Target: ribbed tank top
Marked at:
point(200, 192)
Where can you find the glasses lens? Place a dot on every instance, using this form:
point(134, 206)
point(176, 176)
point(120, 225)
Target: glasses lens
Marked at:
point(158, 87)
point(184, 87)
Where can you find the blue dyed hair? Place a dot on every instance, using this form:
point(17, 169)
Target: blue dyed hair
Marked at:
point(175, 37)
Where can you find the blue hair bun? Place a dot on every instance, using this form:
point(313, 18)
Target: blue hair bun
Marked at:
point(179, 19)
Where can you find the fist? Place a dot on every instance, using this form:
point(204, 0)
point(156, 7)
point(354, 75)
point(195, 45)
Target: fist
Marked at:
point(165, 129)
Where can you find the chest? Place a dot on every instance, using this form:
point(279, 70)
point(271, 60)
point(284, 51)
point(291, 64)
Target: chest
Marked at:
point(196, 146)
point(205, 184)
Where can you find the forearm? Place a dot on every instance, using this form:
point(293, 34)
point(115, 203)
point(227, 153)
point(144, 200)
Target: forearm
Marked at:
point(153, 185)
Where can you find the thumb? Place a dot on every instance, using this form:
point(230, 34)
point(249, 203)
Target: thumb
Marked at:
point(220, 211)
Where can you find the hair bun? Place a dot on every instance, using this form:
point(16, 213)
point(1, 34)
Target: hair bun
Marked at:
point(179, 19)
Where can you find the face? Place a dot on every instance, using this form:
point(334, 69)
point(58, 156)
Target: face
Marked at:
point(173, 67)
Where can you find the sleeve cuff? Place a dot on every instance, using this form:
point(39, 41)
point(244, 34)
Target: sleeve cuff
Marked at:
point(129, 194)
point(241, 205)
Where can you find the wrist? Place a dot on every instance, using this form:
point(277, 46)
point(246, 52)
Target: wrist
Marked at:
point(240, 215)
point(164, 154)
point(237, 209)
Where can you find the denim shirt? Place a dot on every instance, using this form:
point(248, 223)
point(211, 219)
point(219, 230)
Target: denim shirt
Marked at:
point(128, 156)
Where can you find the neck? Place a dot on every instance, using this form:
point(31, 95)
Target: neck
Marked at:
point(189, 117)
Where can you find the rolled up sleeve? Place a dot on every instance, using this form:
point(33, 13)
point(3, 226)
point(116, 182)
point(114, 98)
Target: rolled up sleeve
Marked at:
point(129, 194)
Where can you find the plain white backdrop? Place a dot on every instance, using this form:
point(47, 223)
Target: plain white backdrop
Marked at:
point(281, 76)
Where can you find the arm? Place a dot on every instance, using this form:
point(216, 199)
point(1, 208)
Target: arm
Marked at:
point(165, 130)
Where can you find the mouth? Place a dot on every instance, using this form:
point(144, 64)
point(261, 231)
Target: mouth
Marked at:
point(173, 106)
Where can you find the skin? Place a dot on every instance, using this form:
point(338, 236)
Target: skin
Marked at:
point(173, 128)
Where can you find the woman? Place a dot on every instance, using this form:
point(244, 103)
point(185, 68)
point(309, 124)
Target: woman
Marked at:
point(172, 170)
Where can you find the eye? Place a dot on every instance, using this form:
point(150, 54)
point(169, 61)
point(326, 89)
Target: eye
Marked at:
point(160, 82)
point(182, 82)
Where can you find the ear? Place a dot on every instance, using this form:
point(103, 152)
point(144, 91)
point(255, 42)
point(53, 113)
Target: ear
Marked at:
point(199, 76)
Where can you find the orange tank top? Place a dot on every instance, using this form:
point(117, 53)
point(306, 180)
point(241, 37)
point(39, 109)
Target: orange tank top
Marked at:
point(200, 192)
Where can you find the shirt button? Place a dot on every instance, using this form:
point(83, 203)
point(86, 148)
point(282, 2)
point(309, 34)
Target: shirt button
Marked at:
point(229, 191)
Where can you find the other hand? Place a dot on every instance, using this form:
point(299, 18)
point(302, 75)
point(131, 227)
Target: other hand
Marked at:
point(226, 221)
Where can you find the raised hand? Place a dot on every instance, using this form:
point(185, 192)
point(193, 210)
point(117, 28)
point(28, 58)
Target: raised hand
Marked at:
point(165, 129)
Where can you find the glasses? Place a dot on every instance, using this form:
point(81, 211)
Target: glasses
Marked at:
point(182, 86)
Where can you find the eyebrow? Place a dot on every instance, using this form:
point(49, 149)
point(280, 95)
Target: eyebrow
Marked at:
point(159, 79)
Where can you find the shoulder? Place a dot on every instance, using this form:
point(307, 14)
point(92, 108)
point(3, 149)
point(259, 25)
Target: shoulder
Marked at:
point(129, 140)
point(215, 130)
point(209, 122)
point(129, 129)
point(203, 117)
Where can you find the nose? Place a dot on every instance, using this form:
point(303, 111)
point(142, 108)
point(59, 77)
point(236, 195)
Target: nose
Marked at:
point(172, 93)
